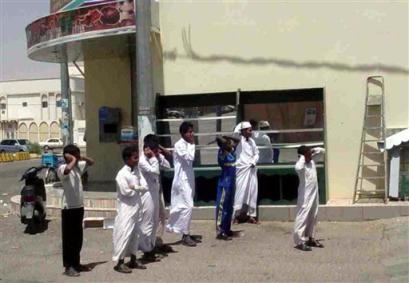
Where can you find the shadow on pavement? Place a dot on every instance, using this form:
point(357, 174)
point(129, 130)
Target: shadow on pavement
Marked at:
point(92, 265)
point(35, 227)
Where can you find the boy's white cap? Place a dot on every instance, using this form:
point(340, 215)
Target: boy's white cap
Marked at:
point(264, 124)
point(241, 126)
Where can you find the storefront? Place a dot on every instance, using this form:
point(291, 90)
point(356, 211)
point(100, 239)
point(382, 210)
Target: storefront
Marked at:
point(292, 65)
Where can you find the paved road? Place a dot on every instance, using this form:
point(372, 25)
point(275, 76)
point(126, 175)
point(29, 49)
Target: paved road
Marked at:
point(375, 251)
point(10, 174)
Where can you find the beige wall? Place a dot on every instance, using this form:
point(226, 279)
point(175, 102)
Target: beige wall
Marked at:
point(212, 46)
point(107, 84)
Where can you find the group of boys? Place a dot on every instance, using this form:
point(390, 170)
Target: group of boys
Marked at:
point(141, 208)
point(140, 202)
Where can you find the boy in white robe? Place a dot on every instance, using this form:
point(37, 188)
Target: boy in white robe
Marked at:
point(245, 199)
point(149, 165)
point(160, 246)
point(128, 220)
point(183, 186)
point(307, 201)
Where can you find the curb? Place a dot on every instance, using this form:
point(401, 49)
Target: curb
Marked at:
point(356, 212)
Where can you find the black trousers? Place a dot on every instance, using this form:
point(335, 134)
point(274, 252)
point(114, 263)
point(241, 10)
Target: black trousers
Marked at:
point(71, 224)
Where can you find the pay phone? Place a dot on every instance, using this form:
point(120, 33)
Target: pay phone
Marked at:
point(109, 124)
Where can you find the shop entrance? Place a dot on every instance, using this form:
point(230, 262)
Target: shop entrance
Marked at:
point(289, 118)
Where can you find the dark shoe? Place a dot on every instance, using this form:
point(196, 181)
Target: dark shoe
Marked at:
point(122, 268)
point(188, 241)
point(314, 243)
point(82, 268)
point(303, 247)
point(136, 265)
point(196, 238)
point(150, 257)
point(70, 271)
point(165, 249)
point(223, 236)
point(234, 234)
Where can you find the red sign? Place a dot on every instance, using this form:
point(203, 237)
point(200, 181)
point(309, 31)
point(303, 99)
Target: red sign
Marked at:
point(100, 17)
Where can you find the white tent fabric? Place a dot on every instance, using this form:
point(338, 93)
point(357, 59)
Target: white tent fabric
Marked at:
point(397, 139)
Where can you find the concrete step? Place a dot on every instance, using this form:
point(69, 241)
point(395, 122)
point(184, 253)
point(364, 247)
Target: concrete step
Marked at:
point(106, 207)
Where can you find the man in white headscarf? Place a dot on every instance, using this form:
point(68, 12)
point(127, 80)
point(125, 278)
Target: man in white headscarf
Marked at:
point(262, 139)
point(245, 199)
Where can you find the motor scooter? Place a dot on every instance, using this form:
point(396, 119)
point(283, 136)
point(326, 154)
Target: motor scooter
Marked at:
point(32, 201)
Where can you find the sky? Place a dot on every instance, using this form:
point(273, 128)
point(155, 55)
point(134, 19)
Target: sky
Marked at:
point(15, 15)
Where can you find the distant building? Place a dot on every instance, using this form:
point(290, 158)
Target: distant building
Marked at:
point(31, 109)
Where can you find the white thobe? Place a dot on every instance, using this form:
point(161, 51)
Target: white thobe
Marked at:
point(266, 154)
point(308, 198)
point(183, 188)
point(149, 168)
point(127, 221)
point(246, 176)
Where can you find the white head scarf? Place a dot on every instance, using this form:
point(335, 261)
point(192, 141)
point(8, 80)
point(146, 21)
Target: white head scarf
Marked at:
point(242, 125)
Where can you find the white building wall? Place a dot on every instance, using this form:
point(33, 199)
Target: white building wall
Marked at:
point(217, 46)
point(37, 120)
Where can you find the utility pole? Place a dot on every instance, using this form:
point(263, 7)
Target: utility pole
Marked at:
point(143, 98)
point(66, 109)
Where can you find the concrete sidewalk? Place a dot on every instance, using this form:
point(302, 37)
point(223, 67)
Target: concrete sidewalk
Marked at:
point(354, 252)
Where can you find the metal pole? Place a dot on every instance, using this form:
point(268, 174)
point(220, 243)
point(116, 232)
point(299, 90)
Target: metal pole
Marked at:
point(66, 109)
point(79, 69)
point(238, 110)
point(144, 102)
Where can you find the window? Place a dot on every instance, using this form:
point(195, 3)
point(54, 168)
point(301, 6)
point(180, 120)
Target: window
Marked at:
point(58, 100)
point(44, 101)
point(8, 142)
point(3, 104)
point(211, 115)
point(286, 119)
point(24, 104)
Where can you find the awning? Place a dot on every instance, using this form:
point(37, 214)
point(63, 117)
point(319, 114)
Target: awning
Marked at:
point(397, 139)
point(62, 36)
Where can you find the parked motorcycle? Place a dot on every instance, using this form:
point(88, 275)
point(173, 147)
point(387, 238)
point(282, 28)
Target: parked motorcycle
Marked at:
point(32, 201)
